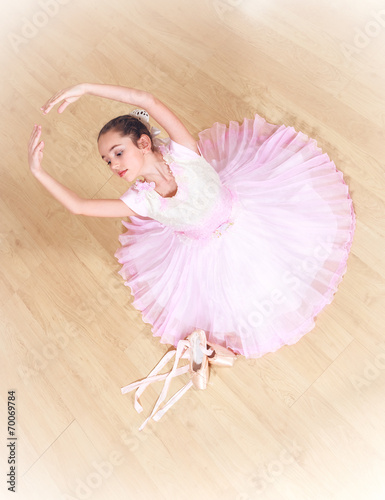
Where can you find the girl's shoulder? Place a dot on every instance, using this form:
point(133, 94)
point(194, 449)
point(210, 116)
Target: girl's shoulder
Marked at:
point(135, 197)
point(180, 151)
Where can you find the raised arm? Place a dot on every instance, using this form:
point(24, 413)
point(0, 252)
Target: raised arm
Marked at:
point(116, 93)
point(171, 123)
point(156, 109)
point(69, 199)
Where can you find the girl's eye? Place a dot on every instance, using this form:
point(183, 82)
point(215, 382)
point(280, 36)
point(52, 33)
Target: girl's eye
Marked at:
point(117, 154)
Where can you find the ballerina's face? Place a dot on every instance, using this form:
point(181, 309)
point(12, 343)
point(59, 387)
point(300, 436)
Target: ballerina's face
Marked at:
point(121, 155)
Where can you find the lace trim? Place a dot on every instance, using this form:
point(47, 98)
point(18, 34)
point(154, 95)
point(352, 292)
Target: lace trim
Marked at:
point(144, 187)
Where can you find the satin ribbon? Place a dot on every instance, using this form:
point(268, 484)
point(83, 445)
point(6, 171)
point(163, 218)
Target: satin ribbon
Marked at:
point(141, 385)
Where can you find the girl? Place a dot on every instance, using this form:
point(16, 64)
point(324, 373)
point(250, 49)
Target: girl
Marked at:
point(244, 233)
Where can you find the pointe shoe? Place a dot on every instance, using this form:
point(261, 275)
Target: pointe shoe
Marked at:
point(221, 356)
point(199, 363)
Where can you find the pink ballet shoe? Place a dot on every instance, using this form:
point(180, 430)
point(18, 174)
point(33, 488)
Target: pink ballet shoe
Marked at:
point(221, 356)
point(200, 354)
point(199, 362)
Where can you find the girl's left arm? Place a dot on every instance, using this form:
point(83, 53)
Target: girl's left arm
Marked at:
point(156, 108)
point(69, 95)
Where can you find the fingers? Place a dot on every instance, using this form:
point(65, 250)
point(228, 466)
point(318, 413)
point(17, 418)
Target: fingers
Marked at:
point(46, 108)
point(36, 132)
point(32, 136)
point(62, 106)
point(67, 95)
point(35, 150)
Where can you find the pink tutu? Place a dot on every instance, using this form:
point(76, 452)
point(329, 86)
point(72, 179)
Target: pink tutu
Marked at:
point(262, 250)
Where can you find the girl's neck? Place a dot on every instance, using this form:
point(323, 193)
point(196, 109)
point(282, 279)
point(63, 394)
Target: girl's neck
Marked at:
point(155, 169)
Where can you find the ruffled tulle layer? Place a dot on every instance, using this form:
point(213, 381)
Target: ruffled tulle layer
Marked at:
point(261, 284)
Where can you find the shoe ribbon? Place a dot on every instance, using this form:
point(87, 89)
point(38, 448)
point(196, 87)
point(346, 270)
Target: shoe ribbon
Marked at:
point(223, 357)
point(182, 352)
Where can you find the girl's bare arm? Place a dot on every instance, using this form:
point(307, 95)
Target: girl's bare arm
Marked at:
point(156, 108)
point(115, 92)
point(69, 199)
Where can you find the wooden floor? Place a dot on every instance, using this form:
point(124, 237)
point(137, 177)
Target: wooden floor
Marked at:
point(306, 422)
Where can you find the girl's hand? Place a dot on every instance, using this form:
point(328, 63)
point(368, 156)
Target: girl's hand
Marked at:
point(68, 96)
point(35, 150)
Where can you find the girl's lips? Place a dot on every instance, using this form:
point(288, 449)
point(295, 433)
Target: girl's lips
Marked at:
point(122, 173)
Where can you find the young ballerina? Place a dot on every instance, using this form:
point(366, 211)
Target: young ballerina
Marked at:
point(244, 234)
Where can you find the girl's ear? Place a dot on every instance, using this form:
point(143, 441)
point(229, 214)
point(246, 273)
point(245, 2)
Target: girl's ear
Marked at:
point(144, 142)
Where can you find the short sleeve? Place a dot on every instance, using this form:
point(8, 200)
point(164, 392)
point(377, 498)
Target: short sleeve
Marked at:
point(179, 151)
point(135, 201)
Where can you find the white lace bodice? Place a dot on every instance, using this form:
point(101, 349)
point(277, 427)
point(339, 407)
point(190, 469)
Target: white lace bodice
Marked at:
point(201, 206)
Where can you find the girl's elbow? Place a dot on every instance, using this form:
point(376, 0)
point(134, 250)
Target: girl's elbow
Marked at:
point(76, 208)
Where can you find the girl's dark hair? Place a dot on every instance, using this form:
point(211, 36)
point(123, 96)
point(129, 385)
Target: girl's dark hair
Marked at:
point(127, 125)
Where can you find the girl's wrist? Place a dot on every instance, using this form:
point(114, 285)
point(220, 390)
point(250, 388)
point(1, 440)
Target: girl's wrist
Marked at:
point(94, 89)
point(87, 88)
point(38, 173)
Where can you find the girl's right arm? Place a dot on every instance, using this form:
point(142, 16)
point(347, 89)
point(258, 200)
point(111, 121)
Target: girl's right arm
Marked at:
point(157, 109)
point(69, 199)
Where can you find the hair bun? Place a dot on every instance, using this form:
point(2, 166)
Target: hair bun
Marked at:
point(142, 116)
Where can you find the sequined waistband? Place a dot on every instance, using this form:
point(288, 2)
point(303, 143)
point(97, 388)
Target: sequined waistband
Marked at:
point(221, 229)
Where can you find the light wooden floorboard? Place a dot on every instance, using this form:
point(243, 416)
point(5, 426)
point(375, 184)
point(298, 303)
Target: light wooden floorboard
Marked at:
point(303, 423)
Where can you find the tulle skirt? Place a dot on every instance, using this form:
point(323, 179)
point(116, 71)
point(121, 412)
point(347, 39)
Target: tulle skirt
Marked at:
point(260, 284)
